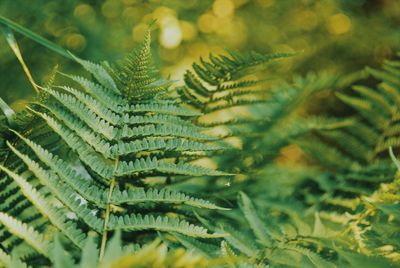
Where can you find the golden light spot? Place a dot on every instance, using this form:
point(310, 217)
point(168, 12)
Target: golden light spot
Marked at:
point(75, 41)
point(138, 32)
point(171, 36)
point(110, 9)
point(207, 23)
point(205, 162)
point(224, 26)
point(386, 248)
point(161, 12)
point(339, 24)
point(167, 20)
point(235, 142)
point(223, 8)
point(171, 33)
point(83, 10)
point(189, 31)
point(234, 31)
point(290, 155)
point(53, 27)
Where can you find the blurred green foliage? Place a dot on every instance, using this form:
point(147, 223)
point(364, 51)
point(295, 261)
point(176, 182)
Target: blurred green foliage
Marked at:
point(336, 35)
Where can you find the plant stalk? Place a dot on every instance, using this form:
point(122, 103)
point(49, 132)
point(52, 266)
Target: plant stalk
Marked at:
point(107, 215)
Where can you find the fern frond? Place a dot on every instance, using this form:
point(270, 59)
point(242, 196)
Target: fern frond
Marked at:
point(112, 101)
point(46, 209)
point(64, 193)
point(150, 164)
point(132, 196)
point(255, 222)
point(137, 222)
point(241, 243)
point(26, 233)
point(96, 123)
point(313, 259)
point(99, 73)
point(193, 244)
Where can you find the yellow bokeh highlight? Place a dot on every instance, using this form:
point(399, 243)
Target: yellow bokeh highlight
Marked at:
point(160, 13)
point(207, 23)
point(223, 8)
point(75, 41)
point(339, 24)
point(290, 155)
point(111, 9)
point(233, 31)
point(139, 31)
point(189, 31)
point(171, 36)
point(84, 10)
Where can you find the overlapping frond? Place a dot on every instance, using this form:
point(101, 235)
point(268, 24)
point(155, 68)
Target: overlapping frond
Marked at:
point(266, 241)
point(376, 125)
point(355, 156)
point(220, 84)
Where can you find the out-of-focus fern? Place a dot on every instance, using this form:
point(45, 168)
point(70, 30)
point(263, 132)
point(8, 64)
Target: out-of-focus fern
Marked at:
point(270, 242)
point(374, 228)
point(355, 157)
point(334, 214)
point(280, 119)
point(286, 236)
point(343, 194)
point(378, 109)
point(260, 116)
point(375, 128)
point(153, 254)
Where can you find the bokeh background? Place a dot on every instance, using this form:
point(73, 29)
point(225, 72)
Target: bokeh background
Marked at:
point(335, 35)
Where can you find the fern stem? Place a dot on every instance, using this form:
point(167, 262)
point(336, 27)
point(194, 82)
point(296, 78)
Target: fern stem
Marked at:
point(107, 215)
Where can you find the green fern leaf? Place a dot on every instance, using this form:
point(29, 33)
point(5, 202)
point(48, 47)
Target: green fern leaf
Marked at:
point(165, 224)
